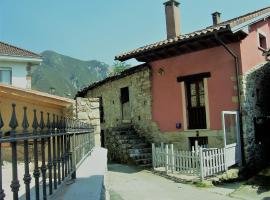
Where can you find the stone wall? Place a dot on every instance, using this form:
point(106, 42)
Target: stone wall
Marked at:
point(255, 103)
point(139, 97)
point(87, 110)
point(139, 85)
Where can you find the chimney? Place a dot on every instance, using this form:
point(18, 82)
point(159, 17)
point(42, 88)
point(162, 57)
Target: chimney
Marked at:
point(172, 18)
point(216, 18)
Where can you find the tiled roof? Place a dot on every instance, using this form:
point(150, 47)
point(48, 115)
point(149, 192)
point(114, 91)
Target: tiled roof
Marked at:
point(226, 25)
point(122, 74)
point(10, 50)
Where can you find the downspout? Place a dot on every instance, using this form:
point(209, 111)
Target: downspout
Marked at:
point(237, 70)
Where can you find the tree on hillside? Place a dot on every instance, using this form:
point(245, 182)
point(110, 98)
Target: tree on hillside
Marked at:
point(118, 67)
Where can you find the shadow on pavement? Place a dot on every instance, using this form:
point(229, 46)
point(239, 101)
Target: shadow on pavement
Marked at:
point(128, 169)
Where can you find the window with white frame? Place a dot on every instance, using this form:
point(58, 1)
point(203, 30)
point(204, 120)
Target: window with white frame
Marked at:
point(5, 75)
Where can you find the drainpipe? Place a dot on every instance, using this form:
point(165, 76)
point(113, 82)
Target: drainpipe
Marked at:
point(237, 70)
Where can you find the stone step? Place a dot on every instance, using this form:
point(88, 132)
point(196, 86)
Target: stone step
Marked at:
point(123, 132)
point(141, 156)
point(123, 127)
point(146, 165)
point(127, 137)
point(131, 141)
point(143, 161)
point(140, 151)
point(141, 146)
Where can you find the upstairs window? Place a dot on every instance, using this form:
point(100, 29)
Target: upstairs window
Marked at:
point(5, 75)
point(262, 41)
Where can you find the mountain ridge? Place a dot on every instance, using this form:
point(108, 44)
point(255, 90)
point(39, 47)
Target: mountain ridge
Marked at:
point(66, 74)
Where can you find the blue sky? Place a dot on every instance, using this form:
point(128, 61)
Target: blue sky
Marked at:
point(97, 29)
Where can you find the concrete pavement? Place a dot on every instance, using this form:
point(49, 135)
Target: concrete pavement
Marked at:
point(90, 178)
point(130, 183)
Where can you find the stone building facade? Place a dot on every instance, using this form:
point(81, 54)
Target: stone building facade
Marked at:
point(255, 103)
point(190, 80)
point(137, 80)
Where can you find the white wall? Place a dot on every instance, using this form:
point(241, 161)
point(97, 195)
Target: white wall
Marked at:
point(19, 73)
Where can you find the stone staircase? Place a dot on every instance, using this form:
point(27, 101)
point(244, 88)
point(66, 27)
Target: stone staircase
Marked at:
point(127, 146)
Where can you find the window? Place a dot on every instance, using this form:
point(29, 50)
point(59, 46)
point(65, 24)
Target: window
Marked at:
point(262, 41)
point(5, 75)
point(196, 104)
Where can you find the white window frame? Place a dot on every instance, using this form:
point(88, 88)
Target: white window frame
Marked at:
point(7, 69)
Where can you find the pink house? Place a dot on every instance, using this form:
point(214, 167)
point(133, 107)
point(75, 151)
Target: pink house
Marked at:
point(194, 77)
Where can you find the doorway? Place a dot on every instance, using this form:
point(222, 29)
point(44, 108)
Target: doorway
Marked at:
point(125, 103)
point(232, 143)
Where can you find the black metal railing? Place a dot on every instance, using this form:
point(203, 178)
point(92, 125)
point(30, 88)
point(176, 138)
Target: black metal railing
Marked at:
point(65, 142)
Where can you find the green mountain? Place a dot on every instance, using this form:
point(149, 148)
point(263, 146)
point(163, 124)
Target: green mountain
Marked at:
point(67, 75)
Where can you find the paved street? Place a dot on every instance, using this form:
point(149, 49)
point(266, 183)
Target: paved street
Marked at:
point(128, 183)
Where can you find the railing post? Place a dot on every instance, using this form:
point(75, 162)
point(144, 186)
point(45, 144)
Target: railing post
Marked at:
point(153, 156)
point(36, 170)
point(163, 156)
point(58, 152)
point(49, 131)
point(27, 176)
point(43, 166)
point(172, 158)
point(2, 193)
point(54, 154)
point(69, 146)
point(201, 158)
point(13, 124)
point(64, 129)
point(167, 158)
point(62, 148)
point(73, 176)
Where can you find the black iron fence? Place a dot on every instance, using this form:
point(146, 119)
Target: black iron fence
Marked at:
point(63, 144)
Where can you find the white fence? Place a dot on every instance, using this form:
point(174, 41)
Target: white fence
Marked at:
point(201, 162)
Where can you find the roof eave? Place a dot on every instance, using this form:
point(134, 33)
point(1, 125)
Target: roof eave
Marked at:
point(123, 74)
point(25, 59)
point(242, 26)
point(135, 55)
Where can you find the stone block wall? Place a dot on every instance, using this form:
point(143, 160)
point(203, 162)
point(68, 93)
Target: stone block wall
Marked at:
point(87, 110)
point(255, 92)
point(139, 98)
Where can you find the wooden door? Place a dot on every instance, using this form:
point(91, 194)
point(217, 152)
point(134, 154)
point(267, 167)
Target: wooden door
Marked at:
point(196, 104)
point(125, 103)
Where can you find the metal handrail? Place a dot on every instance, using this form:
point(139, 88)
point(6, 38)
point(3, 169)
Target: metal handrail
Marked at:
point(68, 141)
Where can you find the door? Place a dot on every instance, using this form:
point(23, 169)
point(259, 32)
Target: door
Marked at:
point(101, 110)
point(125, 104)
point(232, 143)
point(196, 104)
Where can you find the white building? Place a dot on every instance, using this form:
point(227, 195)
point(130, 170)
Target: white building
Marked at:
point(16, 65)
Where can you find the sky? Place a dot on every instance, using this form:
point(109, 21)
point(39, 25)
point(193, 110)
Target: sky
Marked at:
point(102, 29)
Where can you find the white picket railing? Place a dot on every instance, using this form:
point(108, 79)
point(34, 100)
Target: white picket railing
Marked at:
point(200, 161)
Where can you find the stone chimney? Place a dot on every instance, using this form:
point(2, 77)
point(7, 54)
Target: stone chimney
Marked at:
point(216, 18)
point(172, 18)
